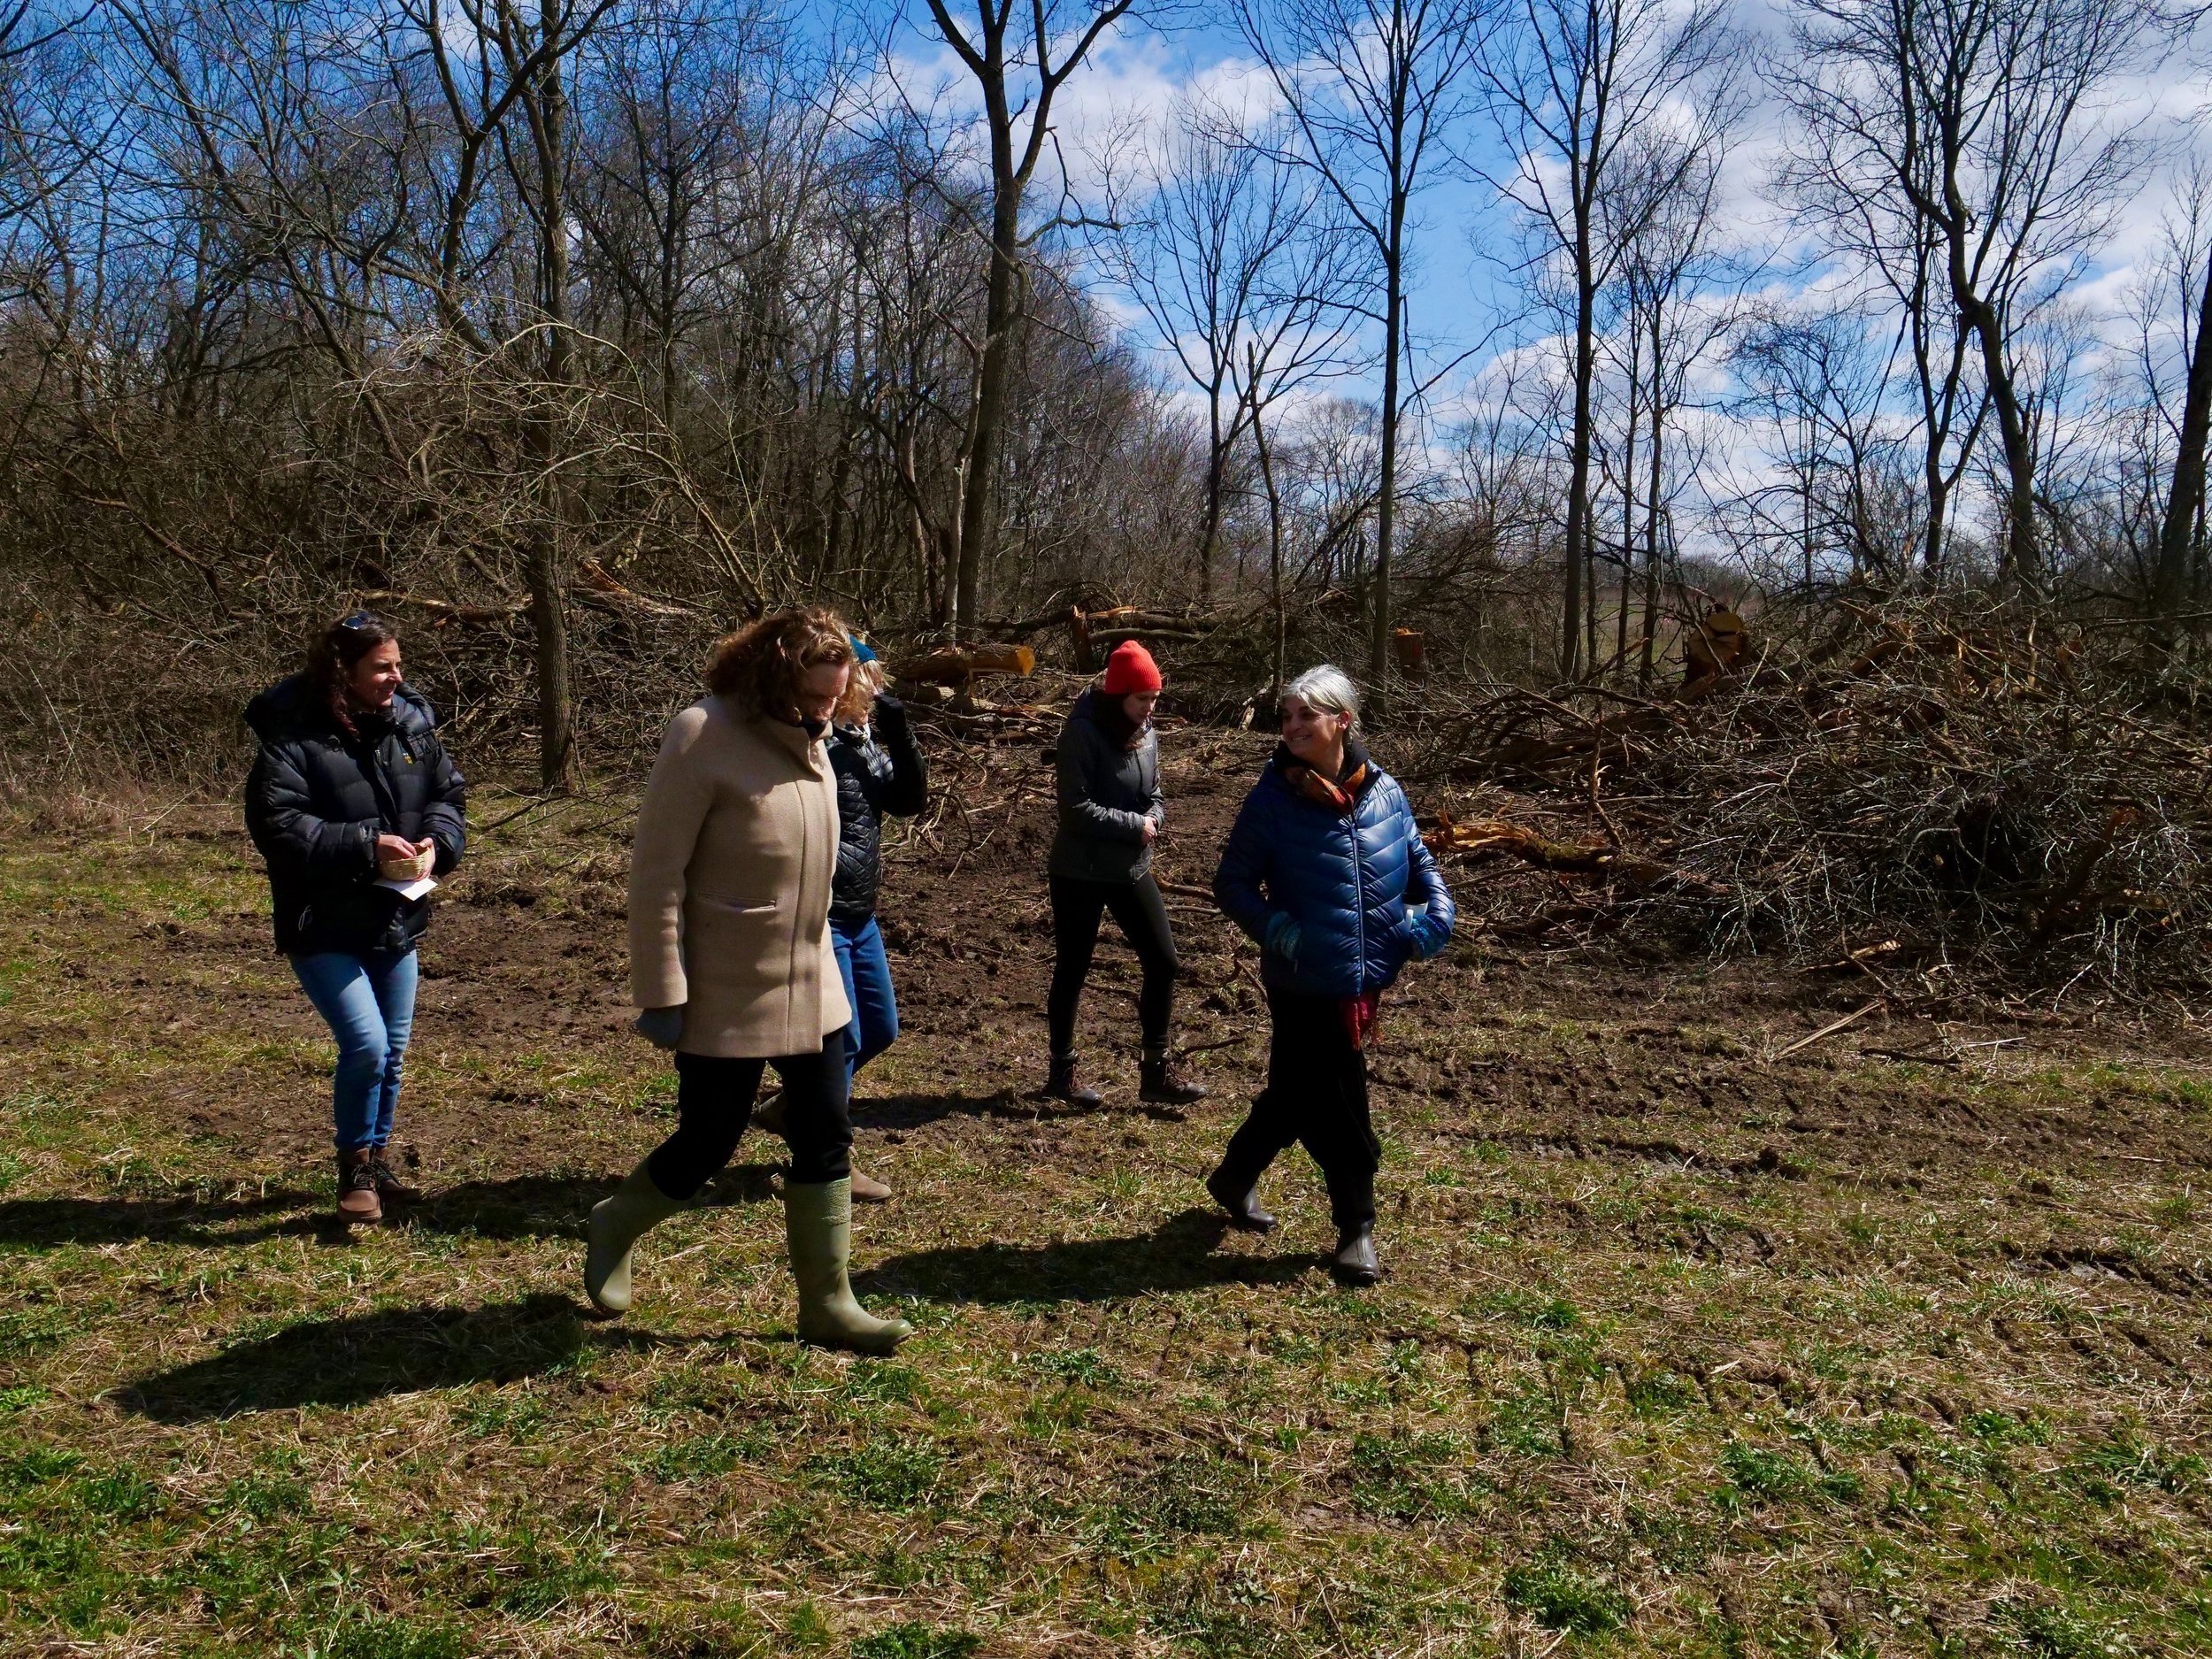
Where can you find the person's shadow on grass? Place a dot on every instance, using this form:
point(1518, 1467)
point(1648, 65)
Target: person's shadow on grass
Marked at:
point(351, 1361)
point(522, 1207)
point(1181, 1254)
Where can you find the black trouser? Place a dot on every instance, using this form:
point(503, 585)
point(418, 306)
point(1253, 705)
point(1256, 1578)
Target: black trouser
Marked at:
point(1316, 1093)
point(714, 1102)
point(1141, 914)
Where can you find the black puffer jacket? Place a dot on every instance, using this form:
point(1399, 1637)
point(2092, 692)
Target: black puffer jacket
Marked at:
point(319, 797)
point(877, 771)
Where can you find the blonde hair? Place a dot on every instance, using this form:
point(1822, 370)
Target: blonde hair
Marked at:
point(869, 679)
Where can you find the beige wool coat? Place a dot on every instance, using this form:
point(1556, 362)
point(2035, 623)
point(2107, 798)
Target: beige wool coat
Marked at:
point(730, 886)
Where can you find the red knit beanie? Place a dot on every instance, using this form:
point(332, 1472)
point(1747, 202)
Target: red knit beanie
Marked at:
point(1131, 668)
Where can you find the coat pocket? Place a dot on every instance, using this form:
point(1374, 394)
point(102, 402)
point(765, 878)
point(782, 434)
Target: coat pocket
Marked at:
point(735, 945)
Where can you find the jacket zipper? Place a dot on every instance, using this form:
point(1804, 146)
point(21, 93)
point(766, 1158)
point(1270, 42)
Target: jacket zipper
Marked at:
point(1359, 901)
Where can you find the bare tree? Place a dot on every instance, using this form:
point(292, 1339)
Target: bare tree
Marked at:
point(1980, 129)
point(1021, 59)
point(1578, 88)
point(1235, 259)
point(2188, 263)
point(1373, 89)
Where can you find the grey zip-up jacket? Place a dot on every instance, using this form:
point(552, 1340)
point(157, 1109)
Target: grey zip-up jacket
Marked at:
point(1106, 793)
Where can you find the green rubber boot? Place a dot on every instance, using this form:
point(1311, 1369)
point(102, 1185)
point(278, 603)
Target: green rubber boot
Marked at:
point(817, 1220)
point(618, 1221)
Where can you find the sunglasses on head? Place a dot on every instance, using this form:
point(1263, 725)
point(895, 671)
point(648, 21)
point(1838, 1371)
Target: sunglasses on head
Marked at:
point(360, 622)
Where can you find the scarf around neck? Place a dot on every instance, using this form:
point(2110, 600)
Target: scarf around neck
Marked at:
point(1111, 718)
point(1339, 795)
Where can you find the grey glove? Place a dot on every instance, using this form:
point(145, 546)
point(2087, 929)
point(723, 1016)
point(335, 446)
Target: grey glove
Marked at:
point(662, 1027)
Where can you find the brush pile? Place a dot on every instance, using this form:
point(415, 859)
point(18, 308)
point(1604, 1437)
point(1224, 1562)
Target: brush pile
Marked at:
point(1920, 789)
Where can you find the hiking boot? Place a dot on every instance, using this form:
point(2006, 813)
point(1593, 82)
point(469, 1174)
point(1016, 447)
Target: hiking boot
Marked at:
point(389, 1187)
point(1245, 1213)
point(1354, 1263)
point(1060, 1083)
point(358, 1202)
point(1159, 1084)
point(868, 1191)
point(768, 1115)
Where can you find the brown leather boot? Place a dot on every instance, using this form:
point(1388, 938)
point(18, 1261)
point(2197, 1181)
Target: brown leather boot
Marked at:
point(358, 1202)
point(389, 1187)
point(1160, 1084)
point(866, 1190)
point(1060, 1083)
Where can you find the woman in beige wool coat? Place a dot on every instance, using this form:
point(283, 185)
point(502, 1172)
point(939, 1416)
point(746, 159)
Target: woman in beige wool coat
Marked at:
point(731, 963)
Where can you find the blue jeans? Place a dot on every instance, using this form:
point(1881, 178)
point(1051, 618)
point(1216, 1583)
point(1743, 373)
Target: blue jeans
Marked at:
point(369, 1003)
point(866, 972)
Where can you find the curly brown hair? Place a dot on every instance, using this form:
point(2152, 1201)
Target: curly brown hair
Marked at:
point(759, 667)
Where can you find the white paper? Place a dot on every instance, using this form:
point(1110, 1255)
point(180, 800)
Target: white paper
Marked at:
point(413, 889)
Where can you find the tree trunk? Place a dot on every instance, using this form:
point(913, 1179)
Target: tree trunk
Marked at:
point(1387, 501)
point(1651, 529)
point(1578, 454)
point(2170, 573)
point(1002, 304)
point(1274, 543)
point(557, 769)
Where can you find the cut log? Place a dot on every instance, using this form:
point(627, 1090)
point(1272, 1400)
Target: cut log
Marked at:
point(1412, 650)
point(957, 665)
point(593, 576)
point(1494, 838)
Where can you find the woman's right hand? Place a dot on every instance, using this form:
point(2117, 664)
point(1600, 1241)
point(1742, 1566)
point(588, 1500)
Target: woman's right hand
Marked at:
point(662, 1027)
point(399, 859)
point(1282, 938)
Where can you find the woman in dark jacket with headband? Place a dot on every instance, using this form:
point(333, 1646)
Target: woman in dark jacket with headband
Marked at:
point(352, 803)
point(1328, 873)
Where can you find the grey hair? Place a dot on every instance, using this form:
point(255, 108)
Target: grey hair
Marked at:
point(1328, 688)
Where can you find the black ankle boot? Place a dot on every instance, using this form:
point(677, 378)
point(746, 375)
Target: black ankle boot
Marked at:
point(1354, 1263)
point(1245, 1213)
point(1060, 1085)
point(1159, 1084)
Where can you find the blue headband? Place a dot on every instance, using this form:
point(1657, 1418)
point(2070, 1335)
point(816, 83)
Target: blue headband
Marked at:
point(862, 653)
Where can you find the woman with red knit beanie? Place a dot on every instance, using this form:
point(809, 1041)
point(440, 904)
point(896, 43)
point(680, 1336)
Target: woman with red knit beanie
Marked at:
point(1110, 813)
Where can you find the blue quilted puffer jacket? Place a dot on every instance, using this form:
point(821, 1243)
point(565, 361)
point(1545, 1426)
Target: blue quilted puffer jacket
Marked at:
point(1361, 891)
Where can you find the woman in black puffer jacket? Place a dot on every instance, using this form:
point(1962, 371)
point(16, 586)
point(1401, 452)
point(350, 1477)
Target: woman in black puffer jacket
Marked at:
point(353, 802)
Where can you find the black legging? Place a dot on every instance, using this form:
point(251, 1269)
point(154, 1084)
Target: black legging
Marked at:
point(714, 1102)
point(1317, 1092)
point(1141, 914)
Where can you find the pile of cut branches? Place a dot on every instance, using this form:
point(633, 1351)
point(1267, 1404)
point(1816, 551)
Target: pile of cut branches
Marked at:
point(1957, 777)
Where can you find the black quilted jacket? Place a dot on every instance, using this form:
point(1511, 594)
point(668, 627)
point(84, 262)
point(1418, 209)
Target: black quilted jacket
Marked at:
point(317, 798)
point(876, 774)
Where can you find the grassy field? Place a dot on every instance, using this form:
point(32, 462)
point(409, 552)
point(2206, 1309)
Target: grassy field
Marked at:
point(1681, 1350)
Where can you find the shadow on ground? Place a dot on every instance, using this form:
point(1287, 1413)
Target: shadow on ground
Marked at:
point(525, 1206)
point(351, 1361)
point(1182, 1254)
point(910, 1111)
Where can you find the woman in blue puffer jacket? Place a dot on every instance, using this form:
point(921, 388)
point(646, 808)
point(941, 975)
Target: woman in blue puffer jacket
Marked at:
point(1327, 873)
